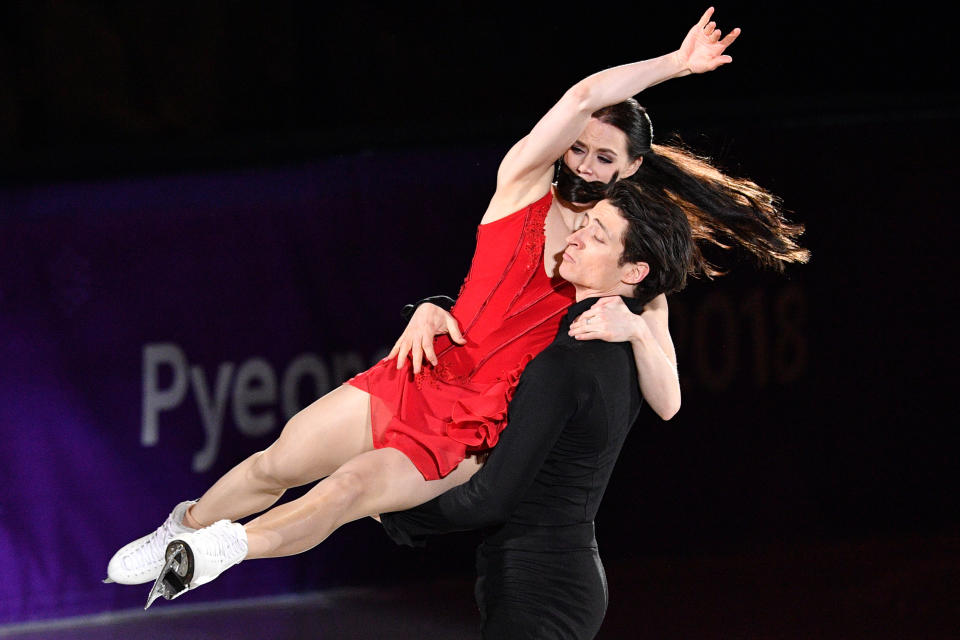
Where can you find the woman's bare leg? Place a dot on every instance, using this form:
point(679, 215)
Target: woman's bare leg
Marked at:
point(374, 482)
point(313, 444)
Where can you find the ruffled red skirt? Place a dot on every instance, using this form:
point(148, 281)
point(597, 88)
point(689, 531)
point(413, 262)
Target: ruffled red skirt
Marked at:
point(436, 418)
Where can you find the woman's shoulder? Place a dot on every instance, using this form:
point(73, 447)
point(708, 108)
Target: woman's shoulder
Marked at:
point(515, 208)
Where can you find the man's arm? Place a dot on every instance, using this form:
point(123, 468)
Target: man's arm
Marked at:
point(545, 400)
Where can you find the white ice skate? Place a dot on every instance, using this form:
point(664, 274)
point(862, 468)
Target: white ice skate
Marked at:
point(197, 558)
point(141, 560)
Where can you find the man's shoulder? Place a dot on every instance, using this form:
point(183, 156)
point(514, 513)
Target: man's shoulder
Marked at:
point(554, 355)
point(583, 355)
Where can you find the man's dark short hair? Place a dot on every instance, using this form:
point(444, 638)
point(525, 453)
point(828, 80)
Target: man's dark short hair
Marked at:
point(657, 233)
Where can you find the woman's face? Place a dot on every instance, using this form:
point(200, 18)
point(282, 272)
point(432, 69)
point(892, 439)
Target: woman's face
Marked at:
point(600, 152)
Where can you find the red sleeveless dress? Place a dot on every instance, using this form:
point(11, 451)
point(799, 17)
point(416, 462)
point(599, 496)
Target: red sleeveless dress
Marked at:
point(509, 311)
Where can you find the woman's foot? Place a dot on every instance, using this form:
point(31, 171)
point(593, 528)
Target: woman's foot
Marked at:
point(197, 558)
point(141, 560)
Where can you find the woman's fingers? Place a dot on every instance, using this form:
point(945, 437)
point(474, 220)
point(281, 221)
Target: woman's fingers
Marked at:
point(419, 345)
point(590, 333)
point(608, 319)
point(454, 330)
point(416, 354)
point(428, 351)
point(726, 42)
point(402, 352)
point(705, 18)
point(581, 326)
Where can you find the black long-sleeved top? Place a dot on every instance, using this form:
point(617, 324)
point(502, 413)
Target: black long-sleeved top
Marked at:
point(571, 413)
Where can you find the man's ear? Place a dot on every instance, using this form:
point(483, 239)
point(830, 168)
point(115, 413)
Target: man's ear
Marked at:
point(634, 272)
point(631, 168)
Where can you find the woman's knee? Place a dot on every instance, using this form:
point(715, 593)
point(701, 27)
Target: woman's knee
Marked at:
point(270, 470)
point(285, 463)
point(347, 487)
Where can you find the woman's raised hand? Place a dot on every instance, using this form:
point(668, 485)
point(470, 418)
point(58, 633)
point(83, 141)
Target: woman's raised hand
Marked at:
point(427, 321)
point(702, 49)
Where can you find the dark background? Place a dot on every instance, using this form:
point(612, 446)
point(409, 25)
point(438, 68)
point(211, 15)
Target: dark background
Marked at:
point(824, 462)
point(108, 88)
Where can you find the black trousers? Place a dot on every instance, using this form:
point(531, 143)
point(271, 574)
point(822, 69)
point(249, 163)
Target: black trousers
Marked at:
point(542, 582)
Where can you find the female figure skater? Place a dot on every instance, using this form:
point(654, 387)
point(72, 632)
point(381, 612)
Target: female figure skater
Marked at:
point(391, 439)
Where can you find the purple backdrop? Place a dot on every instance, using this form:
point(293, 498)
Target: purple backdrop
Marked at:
point(154, 332)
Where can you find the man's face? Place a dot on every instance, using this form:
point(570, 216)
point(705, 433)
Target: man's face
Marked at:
point(593, 251)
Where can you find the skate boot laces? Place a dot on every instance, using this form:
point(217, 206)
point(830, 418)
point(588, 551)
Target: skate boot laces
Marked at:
point(154, 545)
point(194, 559)
point(223, 542)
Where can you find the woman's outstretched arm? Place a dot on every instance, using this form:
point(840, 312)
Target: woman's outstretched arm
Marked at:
point(529, 163)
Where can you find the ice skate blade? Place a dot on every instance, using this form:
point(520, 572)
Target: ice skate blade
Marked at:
point(174, 579)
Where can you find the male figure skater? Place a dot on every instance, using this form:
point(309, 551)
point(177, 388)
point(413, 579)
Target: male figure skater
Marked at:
point(539, 573)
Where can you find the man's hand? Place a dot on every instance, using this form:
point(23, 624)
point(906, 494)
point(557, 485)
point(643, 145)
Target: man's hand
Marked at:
point(427, 321)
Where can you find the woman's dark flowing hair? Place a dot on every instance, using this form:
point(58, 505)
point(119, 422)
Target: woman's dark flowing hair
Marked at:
point(722, 210)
